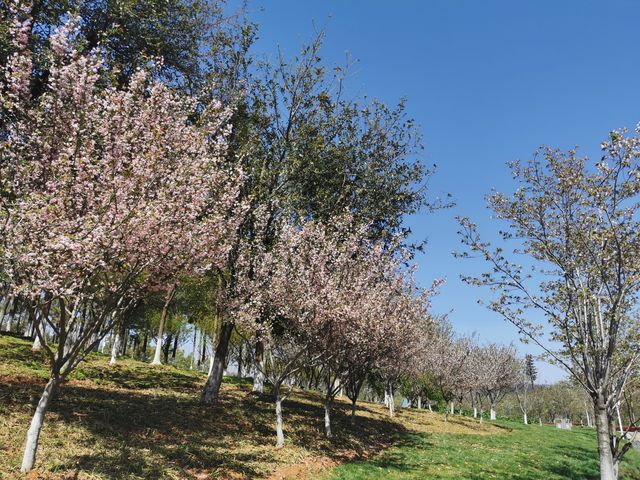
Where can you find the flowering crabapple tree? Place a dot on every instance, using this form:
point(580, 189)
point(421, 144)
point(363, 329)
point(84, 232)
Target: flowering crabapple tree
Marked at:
point(405, 312)
point(101, 189)
point(446, 359)
point(375, 307)
point(498, 365)
point(577, 223)
point(389, 328)
point(287, 317)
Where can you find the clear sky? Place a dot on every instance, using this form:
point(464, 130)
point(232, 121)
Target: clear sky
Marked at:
point(488, 82)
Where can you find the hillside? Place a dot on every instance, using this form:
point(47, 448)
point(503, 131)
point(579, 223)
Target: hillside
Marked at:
point(136, 421)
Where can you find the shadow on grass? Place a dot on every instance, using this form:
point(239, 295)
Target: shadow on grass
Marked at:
point(136, 427)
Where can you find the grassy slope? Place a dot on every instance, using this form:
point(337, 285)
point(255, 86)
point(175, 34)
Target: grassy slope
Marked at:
point(136, 421)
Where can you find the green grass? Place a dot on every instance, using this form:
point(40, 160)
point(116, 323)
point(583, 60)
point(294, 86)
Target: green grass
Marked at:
point(527, 452)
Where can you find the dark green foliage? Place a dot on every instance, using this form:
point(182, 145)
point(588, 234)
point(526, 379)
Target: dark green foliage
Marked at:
point(131, 33)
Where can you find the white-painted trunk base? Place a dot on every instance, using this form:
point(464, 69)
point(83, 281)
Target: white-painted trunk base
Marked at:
point(33, 435)
point(258, 382)
point(279, 426)
point(115, 349)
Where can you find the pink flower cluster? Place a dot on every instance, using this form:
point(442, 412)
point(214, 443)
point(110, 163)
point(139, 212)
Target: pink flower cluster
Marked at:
point(105, 190)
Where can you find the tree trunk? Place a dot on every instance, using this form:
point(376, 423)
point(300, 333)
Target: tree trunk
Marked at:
point(212, 387)
point(419, 403)
point(391, 403)
point(493, 412)
point(31, 445)
point(452, 409)
point(353, 412)
point(526, 420)
point(279, 429)
point(125, 340)
point(475, 412)
point(166, 347)
point(603, 429)
point(115, 348)
point(258, 381)
point(37, 346)
point(6, 301)
point(619, 420)
point(143, 354)
point(203, 349)
point(327, 417)
point(193, 349)
point(240, 361)
point(163, 317)
point(175, 346)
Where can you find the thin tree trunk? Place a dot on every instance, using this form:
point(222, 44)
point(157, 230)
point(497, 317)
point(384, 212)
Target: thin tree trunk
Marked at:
point(33, 435)
point(475, 412)
point(353, 412)
point(258, 379)
point(452, 408)
point(619, 420)
point(391, 403)
point(240, 361)
point(175, 345)
point(526, 420)
point(212, 387)
point(12, 313)
point(279, 427)
point(103, 343)
point(5, 304)
point(493, 412)
point(125, 340)
point(193, 349)
point(143, 354)
point(163, 316)
point(327, 417)
point(37, 346)
point(166, 347)
point(203, 349)
point(603, 429)
point(115, 349)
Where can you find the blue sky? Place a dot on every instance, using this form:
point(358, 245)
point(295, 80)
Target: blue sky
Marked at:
point(488, 82)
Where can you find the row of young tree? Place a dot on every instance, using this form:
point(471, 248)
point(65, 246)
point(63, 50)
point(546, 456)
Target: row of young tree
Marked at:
point(149, 164)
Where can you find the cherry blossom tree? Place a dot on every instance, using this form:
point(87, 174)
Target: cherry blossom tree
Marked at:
point(101, 188)
point(498, 372)
point(525, 381)
point(446, 358)
point(577, 223)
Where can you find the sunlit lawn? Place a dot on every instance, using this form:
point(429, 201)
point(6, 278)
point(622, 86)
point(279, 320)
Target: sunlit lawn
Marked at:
point(527, 452)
